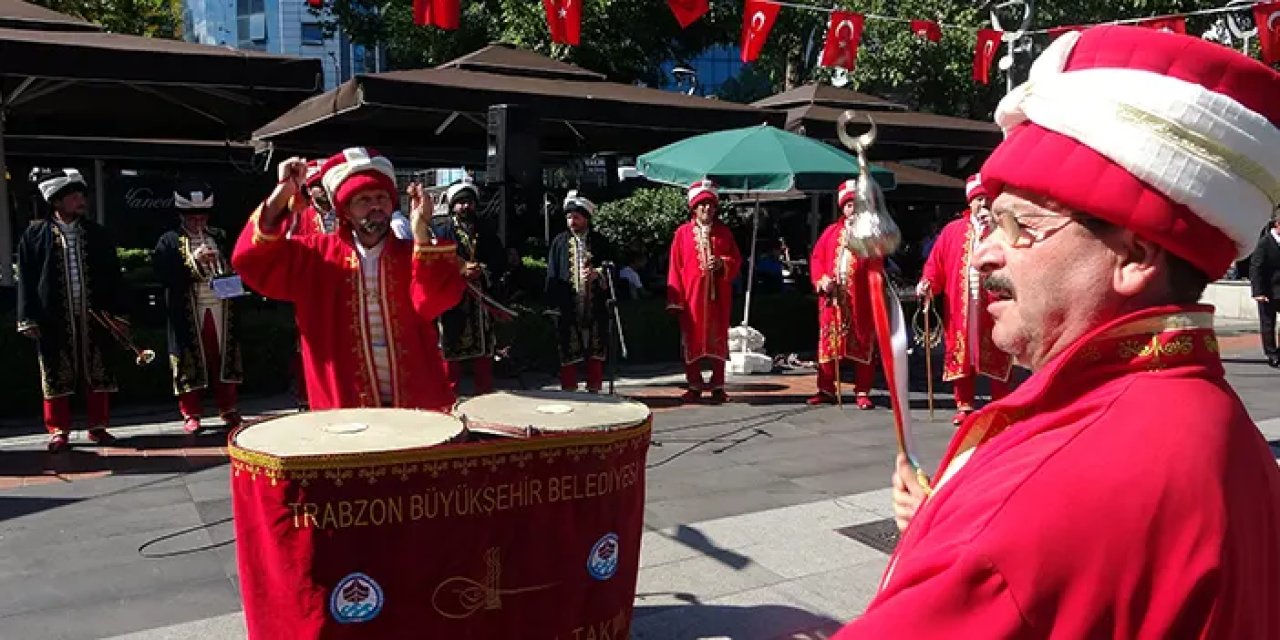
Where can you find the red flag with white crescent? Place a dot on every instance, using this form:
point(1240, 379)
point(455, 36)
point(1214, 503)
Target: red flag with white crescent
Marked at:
point(443, 14)
point(564, 19)
point(315, 4)
point(688, 11)
point(1268, 18)
point(984, 53)
point(927, 29)
point(757, 19)
point(843, 35)
point(1176, 24)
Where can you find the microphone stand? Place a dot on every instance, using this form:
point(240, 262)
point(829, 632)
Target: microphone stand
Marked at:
point(612, 304)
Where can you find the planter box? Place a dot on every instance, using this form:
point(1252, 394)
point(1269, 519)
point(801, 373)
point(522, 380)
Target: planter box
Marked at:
point(1232, 301)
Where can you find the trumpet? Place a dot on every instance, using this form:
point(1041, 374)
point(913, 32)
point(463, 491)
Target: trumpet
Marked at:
point(119, 330)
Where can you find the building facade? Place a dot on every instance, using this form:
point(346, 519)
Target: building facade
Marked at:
point(285, 27)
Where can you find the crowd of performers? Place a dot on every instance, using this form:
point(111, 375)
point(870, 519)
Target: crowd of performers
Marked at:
point(383, 304)
point(1136, 168)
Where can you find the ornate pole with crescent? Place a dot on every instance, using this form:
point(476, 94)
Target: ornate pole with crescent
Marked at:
point(875, 236)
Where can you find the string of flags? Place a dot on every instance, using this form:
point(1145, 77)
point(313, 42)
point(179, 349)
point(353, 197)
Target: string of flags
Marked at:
point(844, 30)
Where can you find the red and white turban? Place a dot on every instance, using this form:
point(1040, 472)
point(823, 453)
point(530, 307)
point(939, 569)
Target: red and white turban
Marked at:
point(702, 191)
point(314, 173)
point(848, 191)
point(1171, 136)
point(973, 188)
point(354, 170)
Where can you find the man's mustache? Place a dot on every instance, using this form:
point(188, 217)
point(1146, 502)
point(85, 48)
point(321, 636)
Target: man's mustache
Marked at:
point(999, 284)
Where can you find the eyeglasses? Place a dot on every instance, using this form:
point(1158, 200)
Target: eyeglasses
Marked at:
point(1021, 236)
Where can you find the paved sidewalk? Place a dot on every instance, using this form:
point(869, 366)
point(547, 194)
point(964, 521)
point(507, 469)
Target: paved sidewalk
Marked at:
point(763, 517)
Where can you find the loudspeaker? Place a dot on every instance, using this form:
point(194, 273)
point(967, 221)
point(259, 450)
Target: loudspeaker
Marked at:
point(513, 155)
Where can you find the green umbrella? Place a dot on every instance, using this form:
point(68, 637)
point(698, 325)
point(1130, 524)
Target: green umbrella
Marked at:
point(755, 159)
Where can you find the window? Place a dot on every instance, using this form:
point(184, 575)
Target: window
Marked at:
point(251, 23)
point(312, 33)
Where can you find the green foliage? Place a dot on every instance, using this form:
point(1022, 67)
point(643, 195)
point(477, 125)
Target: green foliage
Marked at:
point(643, 222)
point(152, 18)
point(625, 39)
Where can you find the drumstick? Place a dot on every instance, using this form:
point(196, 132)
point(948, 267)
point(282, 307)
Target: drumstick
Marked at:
point(928, 357)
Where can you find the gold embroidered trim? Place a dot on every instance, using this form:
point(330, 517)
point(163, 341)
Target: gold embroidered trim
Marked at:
point(260, 236)
point(1160, 324)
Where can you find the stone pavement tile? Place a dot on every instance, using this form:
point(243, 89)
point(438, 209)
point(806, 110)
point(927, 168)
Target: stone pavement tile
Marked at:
point(822, 461)
point(211, 488)
point(757, 614)
point(137, 578)
point(216, 510)
point(664, 547)
point(778, 526)
point(94, 510)
point(700, 578)
point(91, 554)
point(96, 619)
point(855, 479)
point(225, 627)
point(809, 553)
point(715, 505)
point(879, 502)
point(841, 593)
point(733, 477)
point(99, 524)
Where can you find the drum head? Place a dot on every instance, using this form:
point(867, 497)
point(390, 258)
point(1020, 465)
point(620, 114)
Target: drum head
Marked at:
point(517, 413)
point(341, 431)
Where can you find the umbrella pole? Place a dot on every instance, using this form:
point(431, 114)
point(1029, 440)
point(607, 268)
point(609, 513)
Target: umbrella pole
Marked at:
point(751, 266)
point(6, 236)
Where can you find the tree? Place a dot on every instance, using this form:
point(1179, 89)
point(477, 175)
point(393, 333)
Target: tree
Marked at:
point(627, 40)
point(152, 18)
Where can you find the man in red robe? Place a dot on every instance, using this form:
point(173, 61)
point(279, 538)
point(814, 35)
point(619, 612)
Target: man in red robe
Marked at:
point(951, 270)
point(365, 302)
point(704, 260)
point(844, 307)
point(1122, 491)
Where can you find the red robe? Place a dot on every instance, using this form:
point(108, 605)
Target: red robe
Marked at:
point(1093, 508)
point(847, 323)
point(703, 297)
point(320, 274)
point(947, 271)
point(305, 221)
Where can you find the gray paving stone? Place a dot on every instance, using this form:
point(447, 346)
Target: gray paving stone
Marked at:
point(136, 579)
point(96, 524)
point(809, 553)
point(210, 488)
point(225, 627)
point(715, 505)
point(97, 619)
point(734, 477)
point(703, 577)
point(757, 614)
point(842, 593)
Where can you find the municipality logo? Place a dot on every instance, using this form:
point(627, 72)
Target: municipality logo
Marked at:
point(603, 561)
point(356, 598)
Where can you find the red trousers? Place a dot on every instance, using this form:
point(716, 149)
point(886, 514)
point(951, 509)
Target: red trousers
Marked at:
point(482, 368)
point(864, 376)
point(191, 402)
point(693, 374)
point(57, 411)
point(595, 375)
point(965, 388)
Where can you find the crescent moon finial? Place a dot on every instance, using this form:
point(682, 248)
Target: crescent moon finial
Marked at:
point(860, 143)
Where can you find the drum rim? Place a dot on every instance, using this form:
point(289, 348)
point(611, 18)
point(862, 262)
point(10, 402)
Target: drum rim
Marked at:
point(255, 462)
point(513, 430)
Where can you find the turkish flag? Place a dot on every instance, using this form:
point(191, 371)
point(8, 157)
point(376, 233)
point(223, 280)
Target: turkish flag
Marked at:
point(757, 19)
point(843, 35)
point(688, 11)
point(564, 18)
point(927, 29)
point(315, 4)
point(1176, 24)
point(984, 53)
point(1268, 19)
point(443, 14)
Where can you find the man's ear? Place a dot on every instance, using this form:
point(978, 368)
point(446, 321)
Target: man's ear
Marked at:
point(1138, 263)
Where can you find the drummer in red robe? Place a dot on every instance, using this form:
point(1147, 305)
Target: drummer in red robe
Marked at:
point(704, 261)
point(845, 332)
point(1122, 491)
point(366, 302)
point(952, 271)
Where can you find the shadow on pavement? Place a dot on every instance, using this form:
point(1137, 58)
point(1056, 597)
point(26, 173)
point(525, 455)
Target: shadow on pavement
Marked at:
point(136, 455)
point(695, 539)
point(16, 507)
point(696, 620)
